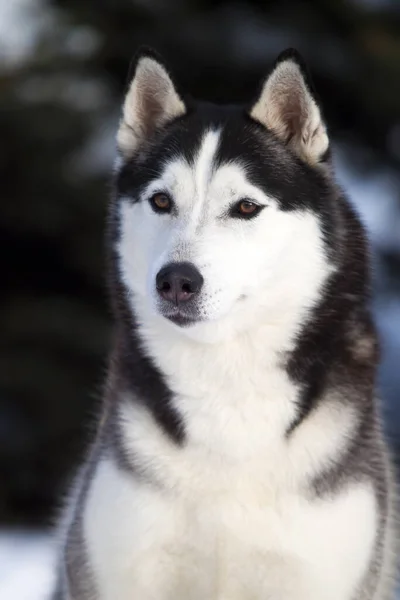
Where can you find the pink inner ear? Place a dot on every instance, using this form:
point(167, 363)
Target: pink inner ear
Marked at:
point(288, 110)
point(151, 102)
point(151, 97)
point(150, 110)
point(156, 98)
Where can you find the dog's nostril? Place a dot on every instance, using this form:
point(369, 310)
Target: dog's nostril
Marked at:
point(186, 287)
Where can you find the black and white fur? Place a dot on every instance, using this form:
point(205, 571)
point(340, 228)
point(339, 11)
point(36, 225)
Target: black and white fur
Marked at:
point(240, 453)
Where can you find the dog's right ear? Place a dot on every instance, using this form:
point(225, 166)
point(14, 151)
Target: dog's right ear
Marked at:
point(150, 103)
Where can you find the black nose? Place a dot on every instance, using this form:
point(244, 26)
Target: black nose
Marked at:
point(178, 282)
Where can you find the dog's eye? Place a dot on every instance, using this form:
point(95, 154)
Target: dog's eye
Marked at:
point(245, 209)
point(161, 203)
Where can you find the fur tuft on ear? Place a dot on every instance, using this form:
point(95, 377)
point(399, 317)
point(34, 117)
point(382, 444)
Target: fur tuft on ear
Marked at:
point(150, 103)
point(288, 107)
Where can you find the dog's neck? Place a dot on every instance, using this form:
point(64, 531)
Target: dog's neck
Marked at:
point(191, 365)
point(188, 385)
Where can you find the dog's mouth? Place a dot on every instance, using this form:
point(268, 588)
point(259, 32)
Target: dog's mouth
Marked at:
point(182, 320)
point(180, 317)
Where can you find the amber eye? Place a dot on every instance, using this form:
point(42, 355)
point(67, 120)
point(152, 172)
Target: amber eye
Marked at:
point(245, 209)
point(161, 202)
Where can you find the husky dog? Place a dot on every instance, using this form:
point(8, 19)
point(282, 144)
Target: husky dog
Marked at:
point(239, 454)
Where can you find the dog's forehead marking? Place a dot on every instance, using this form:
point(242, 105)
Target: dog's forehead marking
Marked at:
point(203, 184)
point(203, 168)
point(204, 162)
point(189, 180)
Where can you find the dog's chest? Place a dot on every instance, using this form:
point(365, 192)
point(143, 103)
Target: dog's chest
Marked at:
point(235, 435)
point(209, 539)
point(203, 508)
point(224, 515)
point(239, 542)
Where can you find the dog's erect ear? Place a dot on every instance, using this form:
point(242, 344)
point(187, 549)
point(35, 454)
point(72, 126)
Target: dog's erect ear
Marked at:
point(150, 103)
point(288, 107)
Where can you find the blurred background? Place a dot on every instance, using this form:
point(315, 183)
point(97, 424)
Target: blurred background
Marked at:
point(63, 70)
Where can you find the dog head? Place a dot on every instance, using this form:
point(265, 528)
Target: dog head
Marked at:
point(221, 211)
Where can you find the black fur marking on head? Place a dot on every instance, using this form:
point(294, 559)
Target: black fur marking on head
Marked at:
point(272, 167)
point(268, 163)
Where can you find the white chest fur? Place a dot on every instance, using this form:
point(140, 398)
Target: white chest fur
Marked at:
point(229, 515)
point(228, 545)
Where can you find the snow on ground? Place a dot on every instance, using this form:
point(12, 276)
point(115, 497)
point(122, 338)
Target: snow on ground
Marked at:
point(27, 561)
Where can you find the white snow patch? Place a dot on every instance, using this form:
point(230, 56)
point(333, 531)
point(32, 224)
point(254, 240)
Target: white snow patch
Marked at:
point(27, 565)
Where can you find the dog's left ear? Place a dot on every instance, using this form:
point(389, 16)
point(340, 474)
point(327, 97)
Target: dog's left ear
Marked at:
point(288, 107)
